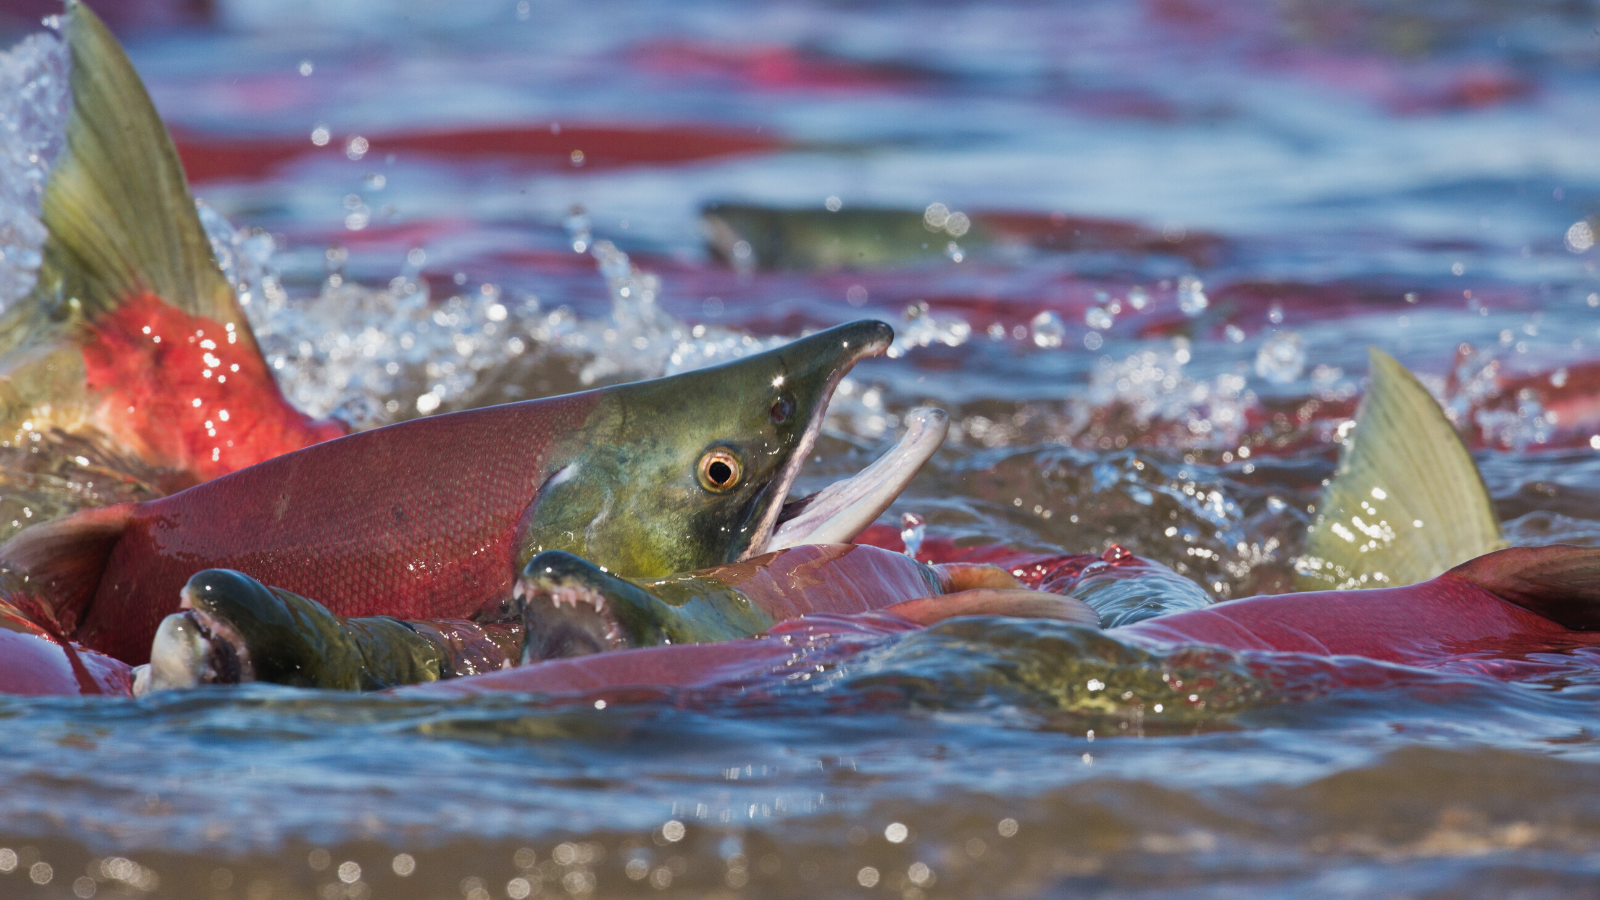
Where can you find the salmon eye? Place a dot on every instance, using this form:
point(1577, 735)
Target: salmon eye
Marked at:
point(720, 471)
point(782, 409)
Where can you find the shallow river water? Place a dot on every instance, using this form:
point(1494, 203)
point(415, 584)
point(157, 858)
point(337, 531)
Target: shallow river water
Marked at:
point(1141, 251)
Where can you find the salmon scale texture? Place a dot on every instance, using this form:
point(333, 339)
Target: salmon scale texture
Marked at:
point(419, 523)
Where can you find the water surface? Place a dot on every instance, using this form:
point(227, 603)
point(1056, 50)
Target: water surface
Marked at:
point(1213, 210)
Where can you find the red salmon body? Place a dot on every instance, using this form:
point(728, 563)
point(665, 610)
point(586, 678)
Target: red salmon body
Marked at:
point(1447, 623)
point(416, 523)
point(35, 662)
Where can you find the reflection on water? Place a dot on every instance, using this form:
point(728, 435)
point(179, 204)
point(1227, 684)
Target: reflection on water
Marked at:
point(1179, 227)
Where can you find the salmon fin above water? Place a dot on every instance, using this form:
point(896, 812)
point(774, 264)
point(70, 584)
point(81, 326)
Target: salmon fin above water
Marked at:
point(121, 222)
point(1406, 502)
point(62, 560)
point(1560, 582)
point(132, 332)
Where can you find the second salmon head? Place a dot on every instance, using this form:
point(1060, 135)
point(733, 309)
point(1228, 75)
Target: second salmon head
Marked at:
point(690, 471)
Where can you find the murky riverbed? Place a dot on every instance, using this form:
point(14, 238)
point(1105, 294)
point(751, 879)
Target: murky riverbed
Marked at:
point(1142, 251)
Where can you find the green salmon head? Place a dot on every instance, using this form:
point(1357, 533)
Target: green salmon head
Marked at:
point(692, 470)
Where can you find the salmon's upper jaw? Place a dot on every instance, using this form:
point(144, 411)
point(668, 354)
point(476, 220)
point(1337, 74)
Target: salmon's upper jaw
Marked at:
point(760, 542)
point(845, 508)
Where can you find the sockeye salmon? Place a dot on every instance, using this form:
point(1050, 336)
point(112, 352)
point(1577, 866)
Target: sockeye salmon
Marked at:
point(234, 629)
point(571, 607)
point(431, 518)
point(1483, 618)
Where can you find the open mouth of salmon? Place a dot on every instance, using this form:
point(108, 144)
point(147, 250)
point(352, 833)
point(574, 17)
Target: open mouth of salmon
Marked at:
point(191, 648)
point(845, 508)
point(567, 620)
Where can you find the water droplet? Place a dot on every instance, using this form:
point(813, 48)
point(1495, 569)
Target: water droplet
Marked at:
point(1192, 296)
point(1048, 329)
point(912, 531)
point(1282, 357)
point(1580, 237)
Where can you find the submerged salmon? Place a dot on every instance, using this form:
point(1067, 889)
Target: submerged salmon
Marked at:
point(234, 629)
point(1489, 617)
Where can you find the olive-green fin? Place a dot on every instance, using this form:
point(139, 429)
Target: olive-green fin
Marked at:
point(63, 559)
point(117, 208)
point(1559, 582)
point(1406, 502)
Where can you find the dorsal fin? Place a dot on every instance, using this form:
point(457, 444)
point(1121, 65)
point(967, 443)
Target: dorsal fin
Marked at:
point(120, 218)
point(1406, 502)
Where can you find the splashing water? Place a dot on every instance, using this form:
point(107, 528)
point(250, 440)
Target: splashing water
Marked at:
point(377, 355)
point(1282, 357)
point(33, 114)
point(983, 757)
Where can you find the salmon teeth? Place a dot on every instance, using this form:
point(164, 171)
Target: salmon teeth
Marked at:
point(572, 595)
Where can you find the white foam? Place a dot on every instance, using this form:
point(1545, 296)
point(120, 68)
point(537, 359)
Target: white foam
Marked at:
point(374, 355)
point(34, 104)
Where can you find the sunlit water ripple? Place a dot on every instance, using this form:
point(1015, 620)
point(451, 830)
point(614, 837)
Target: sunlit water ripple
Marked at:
point(1309, 181)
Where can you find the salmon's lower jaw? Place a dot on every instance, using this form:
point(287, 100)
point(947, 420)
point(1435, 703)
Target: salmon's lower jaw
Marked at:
point(192, 649)
point(844, 509)
point(566, 620)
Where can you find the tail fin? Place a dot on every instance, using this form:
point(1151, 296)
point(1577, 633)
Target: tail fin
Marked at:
point(1406, 503)
point(126, 265)
point(1559, 582)
point(120, 218)
point(61, 561)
